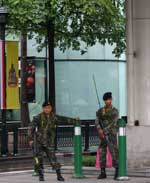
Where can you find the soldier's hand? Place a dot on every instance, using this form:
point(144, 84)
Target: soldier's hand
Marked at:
point(31, 143)
point(101, 134)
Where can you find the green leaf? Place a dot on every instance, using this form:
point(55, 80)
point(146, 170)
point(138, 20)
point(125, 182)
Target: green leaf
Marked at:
point(75, 22)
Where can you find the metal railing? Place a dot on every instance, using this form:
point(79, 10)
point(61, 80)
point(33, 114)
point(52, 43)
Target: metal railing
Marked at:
point(18, 138)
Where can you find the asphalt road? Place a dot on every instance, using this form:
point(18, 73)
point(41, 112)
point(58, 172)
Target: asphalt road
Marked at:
point(26, 177)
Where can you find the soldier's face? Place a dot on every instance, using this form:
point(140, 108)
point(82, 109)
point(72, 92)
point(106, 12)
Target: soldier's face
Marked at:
point(47, 109)
point(108, 102)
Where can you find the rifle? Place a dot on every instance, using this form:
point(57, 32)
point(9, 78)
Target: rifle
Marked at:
point(101, 125)
point(95, 86)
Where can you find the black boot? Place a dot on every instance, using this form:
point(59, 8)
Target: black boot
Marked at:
point(59, 176)
point(116, 174)
point(103, 174)
point(41, 175)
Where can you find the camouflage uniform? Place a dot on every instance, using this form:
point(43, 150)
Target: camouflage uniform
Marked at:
point(45, 140)
point(108, 119)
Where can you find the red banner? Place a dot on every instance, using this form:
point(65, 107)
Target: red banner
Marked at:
point(30, 79)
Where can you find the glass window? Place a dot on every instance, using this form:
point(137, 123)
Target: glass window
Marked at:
point(35, 108)
point(75, 92)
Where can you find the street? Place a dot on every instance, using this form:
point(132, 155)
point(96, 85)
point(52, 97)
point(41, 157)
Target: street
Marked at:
point(26, 177)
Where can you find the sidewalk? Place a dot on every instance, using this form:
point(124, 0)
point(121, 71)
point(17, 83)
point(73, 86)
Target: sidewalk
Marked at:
point(26, 177)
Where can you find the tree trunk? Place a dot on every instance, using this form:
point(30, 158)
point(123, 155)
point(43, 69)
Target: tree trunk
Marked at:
point(25, 118)
point(51, 77)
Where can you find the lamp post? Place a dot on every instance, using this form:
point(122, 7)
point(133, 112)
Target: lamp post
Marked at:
point(4, 144)
point(3, 17)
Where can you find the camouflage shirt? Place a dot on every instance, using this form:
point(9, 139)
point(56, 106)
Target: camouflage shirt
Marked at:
point(108, 118)
point(46, 127)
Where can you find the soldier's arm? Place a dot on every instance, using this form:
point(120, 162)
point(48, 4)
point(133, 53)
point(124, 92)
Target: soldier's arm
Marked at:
point(98, 120)
point(32, 126)
point(63, 120)
point(113, 119)
point(100, 117)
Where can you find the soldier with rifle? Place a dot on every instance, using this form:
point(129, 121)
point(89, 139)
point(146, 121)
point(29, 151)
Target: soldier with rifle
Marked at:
point(107, 126)
point(43, 137)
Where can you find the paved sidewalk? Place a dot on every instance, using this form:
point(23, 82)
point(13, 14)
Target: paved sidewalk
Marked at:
point(26, 177)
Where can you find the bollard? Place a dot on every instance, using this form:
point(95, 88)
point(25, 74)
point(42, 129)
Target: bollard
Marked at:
point(122, 151)
point(15, 141)
point(77, 151)
point(4, 140)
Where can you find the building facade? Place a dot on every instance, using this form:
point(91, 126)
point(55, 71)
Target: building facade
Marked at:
point(75, 91)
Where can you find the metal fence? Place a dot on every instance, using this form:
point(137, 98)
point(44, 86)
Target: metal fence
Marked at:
point(18, 138)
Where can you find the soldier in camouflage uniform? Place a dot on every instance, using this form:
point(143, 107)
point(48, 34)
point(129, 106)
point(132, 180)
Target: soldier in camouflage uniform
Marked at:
point(107, 126)
point(44, 125)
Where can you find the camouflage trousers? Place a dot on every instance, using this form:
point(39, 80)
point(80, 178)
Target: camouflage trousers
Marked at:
point(50, 154)
point(111, 143)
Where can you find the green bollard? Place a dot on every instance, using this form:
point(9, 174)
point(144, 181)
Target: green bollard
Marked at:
point(122, 151)
point(77, 151)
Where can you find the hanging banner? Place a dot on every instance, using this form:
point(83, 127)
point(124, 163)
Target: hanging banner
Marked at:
point(12, 75)
point(2, 75)
point(30, 79)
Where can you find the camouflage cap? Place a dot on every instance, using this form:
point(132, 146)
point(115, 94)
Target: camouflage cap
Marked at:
point(107, 96)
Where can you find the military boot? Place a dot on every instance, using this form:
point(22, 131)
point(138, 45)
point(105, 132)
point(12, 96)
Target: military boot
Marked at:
point(35, 174)
point(59, 176)
point(103, 174)
point(41, 175)
point(116, 174)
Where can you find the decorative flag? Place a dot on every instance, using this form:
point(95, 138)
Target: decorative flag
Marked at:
point(12, 75)
point(30, 79)
point(2, 76)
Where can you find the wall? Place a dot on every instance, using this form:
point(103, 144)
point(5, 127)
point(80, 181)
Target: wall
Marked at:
point(138, 73)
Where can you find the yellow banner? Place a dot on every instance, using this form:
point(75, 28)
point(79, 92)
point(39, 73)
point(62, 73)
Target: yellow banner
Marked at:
point(12, 75)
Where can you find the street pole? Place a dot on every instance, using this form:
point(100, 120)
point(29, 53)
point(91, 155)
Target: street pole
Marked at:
point(122, 151)
point(46, 70)
point(77, 151)
point(51, 79)
point(4, 138)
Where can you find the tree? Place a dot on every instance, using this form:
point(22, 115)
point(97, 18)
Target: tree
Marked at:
point(69, 24)
point(83, 21)
point(75, 21)
point(72, 24)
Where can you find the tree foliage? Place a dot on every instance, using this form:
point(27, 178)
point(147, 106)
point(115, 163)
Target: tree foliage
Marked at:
point(77, 23)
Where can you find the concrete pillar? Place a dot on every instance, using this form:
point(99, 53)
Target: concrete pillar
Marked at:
point(138, 81)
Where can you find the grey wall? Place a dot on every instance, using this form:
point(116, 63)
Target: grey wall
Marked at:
point(138, 73)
